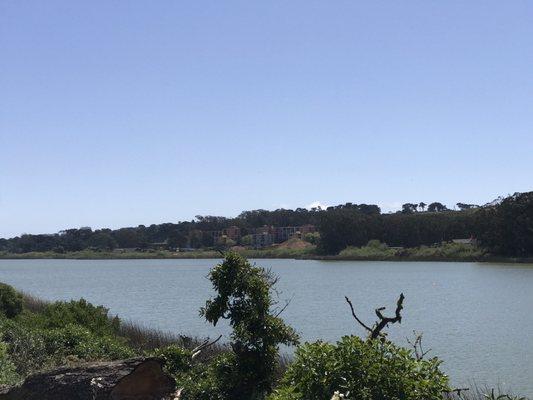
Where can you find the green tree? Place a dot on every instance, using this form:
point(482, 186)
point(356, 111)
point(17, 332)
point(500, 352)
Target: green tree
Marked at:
point(347, 227)
point(247, 240)
point(129, 237)
point(10, 301)
point(312, 237)
point(102, 241)
point(436, 207)
point(464, 206)
point(177, 239)
point(409, 208)
point(195, 238)
point(244, 298)
point(507, 228)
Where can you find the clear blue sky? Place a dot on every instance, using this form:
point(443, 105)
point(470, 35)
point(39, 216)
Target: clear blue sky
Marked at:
point(119, 113)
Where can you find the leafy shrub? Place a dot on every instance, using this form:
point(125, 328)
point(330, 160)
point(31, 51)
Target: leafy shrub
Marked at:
point(374, 250)
point(217, 380)
point(374, 243)
point(10, 301)
point(312, 237)
point(34, 349)
point(25, 346)
point(80, 342)
point(177, 359)
point(8, 374)
point(79, 312)
point(362, 370)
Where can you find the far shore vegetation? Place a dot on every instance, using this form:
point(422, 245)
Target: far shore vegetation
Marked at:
point(373, 251)
point(498, 231)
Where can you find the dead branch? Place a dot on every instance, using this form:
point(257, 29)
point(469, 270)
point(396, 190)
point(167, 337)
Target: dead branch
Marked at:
point(355, 316)
point(375, 331)
point(198, 349)
point(385, 321)
point(417, 346)
point(287, 302)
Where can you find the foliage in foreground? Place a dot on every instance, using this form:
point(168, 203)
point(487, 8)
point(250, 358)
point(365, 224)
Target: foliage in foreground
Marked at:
point(360, 369)
point(78, 313)
point(8, 373)
point(32, 348)
point(10, 301)
point(244, 298)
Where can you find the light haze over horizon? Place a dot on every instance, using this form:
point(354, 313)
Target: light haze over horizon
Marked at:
point(117, 114)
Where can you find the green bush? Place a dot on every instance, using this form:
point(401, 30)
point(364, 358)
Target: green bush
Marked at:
point(10, 301)
point(208, 381)
point(177, 359)
point(312, 237)
point(78, 341)
point(25, 346)
point(374, 250)
point(362, 370)
point(32, 349)
point(214, 381)
point(79, 312)
point(8, 373)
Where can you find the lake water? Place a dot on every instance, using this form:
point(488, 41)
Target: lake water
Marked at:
point(477, 317)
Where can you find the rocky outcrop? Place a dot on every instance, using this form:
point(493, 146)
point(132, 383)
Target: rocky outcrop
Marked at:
point(133, 379)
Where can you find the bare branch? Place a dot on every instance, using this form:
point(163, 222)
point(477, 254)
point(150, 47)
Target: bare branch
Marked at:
point(355, 316)
point(384, 321)
point(198, 349)
point(287, 302)
point(417, 346)
point(376, 329)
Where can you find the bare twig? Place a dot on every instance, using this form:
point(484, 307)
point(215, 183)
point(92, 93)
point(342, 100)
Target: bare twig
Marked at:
point(417, 346)
point(355, 316)
point(287, 302)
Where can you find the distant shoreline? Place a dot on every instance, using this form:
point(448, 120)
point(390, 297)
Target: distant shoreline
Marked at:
point(90, 255)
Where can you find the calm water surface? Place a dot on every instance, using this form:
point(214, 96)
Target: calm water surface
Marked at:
point(477, 317)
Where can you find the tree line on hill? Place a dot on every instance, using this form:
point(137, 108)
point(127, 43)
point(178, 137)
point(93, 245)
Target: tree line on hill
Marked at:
point(504, 228)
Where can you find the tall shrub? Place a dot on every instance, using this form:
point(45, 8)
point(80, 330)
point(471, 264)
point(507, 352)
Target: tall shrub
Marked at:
point(10, 301)
point(244, 298)
point(79, 312)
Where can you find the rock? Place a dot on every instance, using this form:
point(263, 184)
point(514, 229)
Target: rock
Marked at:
point(133, 379)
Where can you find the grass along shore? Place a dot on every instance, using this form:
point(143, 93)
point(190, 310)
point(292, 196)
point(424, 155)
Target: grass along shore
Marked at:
point(373, 251)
